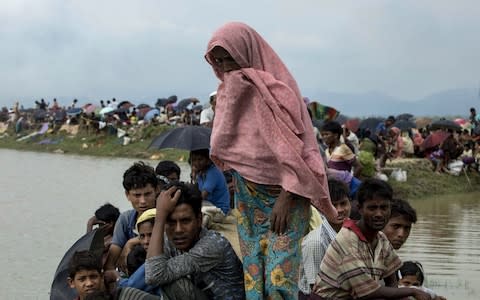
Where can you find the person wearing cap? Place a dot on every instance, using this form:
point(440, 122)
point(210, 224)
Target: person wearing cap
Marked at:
point(207, 114)
point(136, 279)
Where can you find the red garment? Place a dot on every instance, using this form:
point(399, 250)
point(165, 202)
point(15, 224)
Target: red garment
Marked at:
point(262, 128)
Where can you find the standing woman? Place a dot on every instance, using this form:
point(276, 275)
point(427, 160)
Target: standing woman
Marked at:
point(263, 132)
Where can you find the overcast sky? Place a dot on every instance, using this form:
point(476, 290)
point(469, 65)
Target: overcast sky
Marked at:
point(144, 49)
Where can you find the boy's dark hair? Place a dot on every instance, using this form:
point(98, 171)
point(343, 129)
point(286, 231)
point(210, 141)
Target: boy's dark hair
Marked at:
point(139, 176)
point(402, 208)
point(412, 268)
point(372, 188)
point(201, 152)
point(190, 195)
point(135, 259)
point(333, 127)
point(167, 167)
point(84, 260)
point(107, 213)
point(338, 190)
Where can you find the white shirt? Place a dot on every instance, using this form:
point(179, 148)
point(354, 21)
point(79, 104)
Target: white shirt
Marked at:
point(206, 116)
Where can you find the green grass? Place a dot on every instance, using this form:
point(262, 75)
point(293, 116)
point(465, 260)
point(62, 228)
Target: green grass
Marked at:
point(422, 181)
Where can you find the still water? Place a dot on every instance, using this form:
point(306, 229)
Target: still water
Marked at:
point(46, 200)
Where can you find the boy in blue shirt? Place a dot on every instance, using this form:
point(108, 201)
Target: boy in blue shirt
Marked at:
point(211, 181)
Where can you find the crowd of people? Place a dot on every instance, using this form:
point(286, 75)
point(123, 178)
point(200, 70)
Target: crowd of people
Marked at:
point(314, 219)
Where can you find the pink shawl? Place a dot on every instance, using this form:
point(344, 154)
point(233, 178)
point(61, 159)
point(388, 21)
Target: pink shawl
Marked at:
point(262, 128)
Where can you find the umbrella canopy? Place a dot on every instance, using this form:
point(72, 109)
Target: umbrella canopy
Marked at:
point(141, 112)
point(445, 124)
point(106, 110)
point(182, 105)
point(405, 125)
point(342, 119)
point(405, 116)
point(353, 125)
point(125, 104)
point(143, 105)
point(89, 108)
point(370, 123)
point(92, 241)
point(322, 112)
point(460, 121)
point(434, 139)
point(151, 114)
point(187, 138)
point(74, 111)
point(165, 101)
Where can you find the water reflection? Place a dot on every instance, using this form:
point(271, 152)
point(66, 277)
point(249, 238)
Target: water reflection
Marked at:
point(446, 240)
point(46, 200)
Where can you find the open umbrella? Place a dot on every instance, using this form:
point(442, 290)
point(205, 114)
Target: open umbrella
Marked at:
point(182, 105)
point(435, 138)
point(322, 112)
point(74, 111)
point(370, 123)
point(353, 124)
point(89, 108)
point(143, 105)
point(445, 124)
point(187, 138)
point(92, 241)
point(405, 116)
point(404, 125)
point(125, 104)
point(151, 114)
point(106, 110)
point(165, 101)
point(423, 122)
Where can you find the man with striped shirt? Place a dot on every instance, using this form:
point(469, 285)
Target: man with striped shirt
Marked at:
point(361, 255)
point(316, 242)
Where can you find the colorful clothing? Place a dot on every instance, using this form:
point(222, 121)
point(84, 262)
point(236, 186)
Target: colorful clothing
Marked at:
point(341, 158)
point(314, 246)
point(270, 262)
point(351, 268)
point(262, 128)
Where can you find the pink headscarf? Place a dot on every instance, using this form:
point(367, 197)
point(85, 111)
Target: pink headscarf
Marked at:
point(262, 128)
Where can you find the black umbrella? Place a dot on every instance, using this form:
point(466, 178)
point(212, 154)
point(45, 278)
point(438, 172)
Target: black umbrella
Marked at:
point(125, 104)
point(187, 138)
point(182, 105)
point(165, 101)
point(143, 105)
point(92, 241)
point(445, 124)
point(341, 119)
point(370, 123)
point(405, 116)
point(404, 125)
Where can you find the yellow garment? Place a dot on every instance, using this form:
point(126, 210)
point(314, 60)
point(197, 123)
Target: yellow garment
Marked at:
point(146, 215)
point(315, 219)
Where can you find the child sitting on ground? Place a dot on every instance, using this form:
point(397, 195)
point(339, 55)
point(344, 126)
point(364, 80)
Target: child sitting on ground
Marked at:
point(85, 273)
point(411, 275)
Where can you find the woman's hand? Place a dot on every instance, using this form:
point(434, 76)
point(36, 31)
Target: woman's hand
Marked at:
point(281, 212)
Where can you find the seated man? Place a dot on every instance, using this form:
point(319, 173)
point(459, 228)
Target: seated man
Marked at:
point(361, 255)
point(141, 188)
point(85, 273)
point(192, 262)
point(317, 241)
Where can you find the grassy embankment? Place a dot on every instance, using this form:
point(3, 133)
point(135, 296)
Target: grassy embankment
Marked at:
point(422, 182)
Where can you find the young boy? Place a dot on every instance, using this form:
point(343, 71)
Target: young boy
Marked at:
point(400, 223)
point(85, 273)
point(141, 188)
point(211, 181)
point(361, 255)
point(315, 243)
